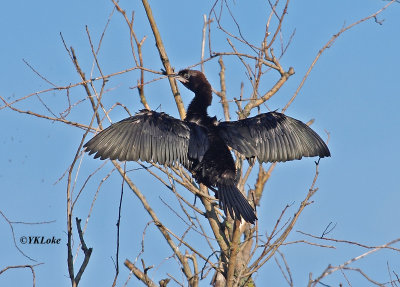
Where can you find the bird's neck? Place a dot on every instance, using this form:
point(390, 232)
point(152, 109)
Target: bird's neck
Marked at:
point(201, 101)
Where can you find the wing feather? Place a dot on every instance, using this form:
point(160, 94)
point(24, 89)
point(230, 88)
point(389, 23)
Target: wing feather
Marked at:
point(272, 137)
point(150, 136)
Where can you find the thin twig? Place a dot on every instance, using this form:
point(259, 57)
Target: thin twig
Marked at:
point(328, 45)
point(24, 266)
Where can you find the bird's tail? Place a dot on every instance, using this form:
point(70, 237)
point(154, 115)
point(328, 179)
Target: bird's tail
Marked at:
point(232, 200)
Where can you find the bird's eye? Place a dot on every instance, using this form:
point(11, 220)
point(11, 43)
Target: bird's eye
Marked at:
point(186, 76)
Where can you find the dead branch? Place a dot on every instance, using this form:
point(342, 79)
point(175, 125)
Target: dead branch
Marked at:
point(331, 269)
point(328, 45)
point(141, 275)
point(10, 223)
point(86, 251)
point(24, 266)
point(233, 252)
point(347, 242)
point(164, 59)
point(222, 93)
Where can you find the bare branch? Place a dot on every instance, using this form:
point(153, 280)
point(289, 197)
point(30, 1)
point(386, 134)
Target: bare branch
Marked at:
point(222, 93)
point(233, 252)
point(328, 45)
point(331, 269)
point(140, 274)
point(24, 266)
point(87, 252)
point(164, 59)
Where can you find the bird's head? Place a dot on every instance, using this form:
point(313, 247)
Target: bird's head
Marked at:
point(193, 80)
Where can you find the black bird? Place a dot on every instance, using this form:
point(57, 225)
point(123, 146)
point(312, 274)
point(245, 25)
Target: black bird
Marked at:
point(201, 144)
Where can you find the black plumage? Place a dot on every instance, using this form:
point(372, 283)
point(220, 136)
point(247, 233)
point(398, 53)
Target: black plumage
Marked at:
point(201, 143)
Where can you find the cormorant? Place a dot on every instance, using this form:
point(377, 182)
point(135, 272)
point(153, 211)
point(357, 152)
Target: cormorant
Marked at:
point(201, 143)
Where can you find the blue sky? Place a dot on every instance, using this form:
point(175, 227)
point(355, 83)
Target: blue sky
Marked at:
point(353, 93)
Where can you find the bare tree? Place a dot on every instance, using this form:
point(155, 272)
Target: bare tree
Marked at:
point(223, 252)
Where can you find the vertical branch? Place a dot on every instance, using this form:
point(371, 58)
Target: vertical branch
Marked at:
point(278, 29)
point(262, 178)
point(75, 279)
point(203, 41)
point(70, 259)
point(141, 83)
point(69, 215)
point(86, 251)
point(209, 27)
point(222, 93)
point(82, 75)
point(164, 59)
point(118, 228)
point(234, 250)
point(217, 229)
point(214, 222)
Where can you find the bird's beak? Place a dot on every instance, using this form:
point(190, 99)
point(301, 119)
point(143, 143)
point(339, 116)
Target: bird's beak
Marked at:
point(180, 78)
point(176, 76)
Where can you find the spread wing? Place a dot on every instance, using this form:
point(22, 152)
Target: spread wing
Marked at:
point(150, 136)
point(272, 137)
